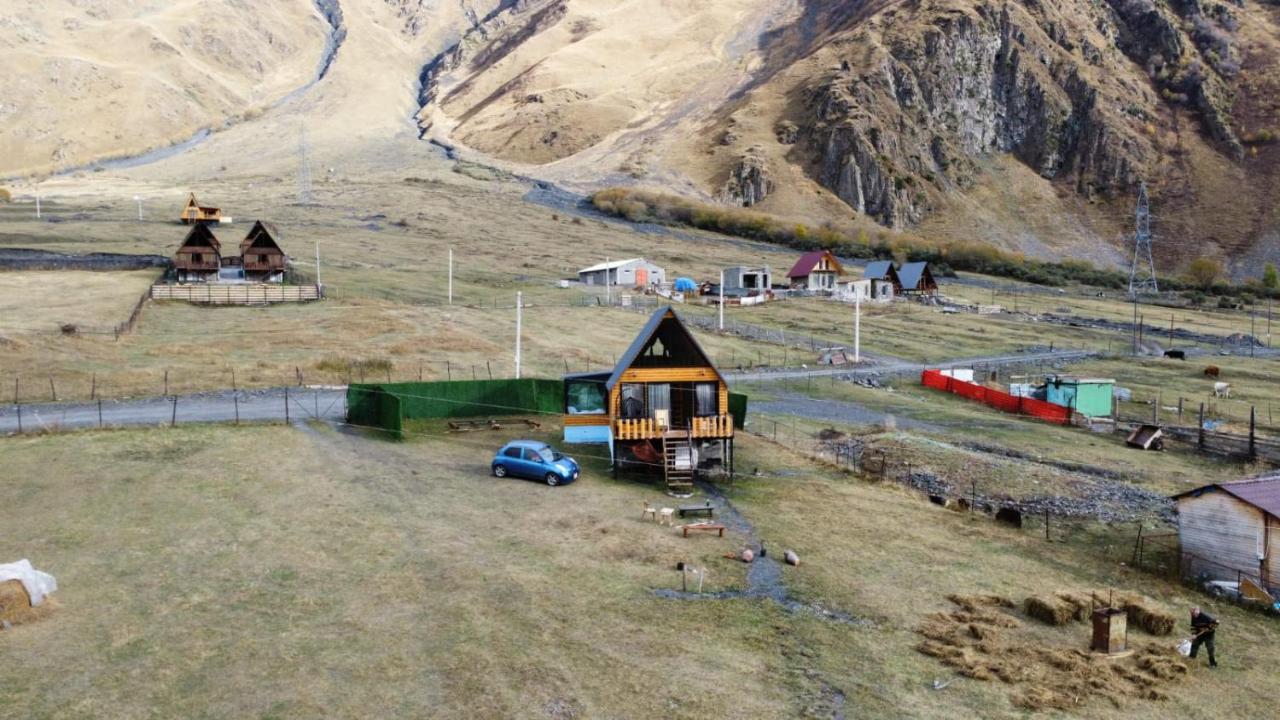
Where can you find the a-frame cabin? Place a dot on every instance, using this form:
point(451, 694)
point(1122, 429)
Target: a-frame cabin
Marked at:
point(193, 212)
point(200, 257)
point(261, 256)
point(664, 404)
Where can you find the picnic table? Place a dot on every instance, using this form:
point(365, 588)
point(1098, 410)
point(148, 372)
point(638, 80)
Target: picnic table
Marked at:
point(704, 527)
point(708, 509)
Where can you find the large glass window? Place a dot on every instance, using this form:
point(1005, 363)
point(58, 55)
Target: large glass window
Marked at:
point(659, 398)
point(706, 399)
point(584, 398)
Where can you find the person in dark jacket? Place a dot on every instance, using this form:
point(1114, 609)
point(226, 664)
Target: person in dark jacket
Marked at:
point(1203, 626)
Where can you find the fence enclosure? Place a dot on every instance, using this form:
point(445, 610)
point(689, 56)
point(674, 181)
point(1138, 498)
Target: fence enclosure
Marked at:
point(238, 294)
point(387, 405)
point(997, 399)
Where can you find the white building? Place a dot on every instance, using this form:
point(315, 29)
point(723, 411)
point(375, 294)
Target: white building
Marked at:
point(636, 272)
point(864, 291)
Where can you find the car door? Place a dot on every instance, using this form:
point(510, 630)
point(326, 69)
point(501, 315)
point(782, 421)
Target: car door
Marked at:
point(512, 461)
point(532, 465)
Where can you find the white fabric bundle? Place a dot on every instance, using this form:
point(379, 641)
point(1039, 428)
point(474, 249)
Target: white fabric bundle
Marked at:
point(38, 584)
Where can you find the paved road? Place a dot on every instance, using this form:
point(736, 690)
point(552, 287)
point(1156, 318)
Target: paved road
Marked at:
point(882, 367)
point(251, 406)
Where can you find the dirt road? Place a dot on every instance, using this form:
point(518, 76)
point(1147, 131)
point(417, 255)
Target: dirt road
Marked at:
point(891, 367)
point(327, 403)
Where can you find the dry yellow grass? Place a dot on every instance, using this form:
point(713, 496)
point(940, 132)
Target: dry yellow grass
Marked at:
point(43, 301)
point(290, 572)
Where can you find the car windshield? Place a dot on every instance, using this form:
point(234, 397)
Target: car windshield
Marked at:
point(548, 455)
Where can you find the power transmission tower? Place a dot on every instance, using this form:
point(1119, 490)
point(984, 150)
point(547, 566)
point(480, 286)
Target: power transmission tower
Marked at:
point(304, 169)
point(1142, 274)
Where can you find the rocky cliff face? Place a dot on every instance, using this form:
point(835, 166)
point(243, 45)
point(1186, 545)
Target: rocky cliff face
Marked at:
point(1070, 89)
point(750, 181)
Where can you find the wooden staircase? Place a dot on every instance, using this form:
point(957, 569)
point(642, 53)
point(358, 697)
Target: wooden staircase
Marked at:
point(677, 452)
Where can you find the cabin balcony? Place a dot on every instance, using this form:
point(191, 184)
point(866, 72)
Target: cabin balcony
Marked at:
point(196, 265)
point(703, 427)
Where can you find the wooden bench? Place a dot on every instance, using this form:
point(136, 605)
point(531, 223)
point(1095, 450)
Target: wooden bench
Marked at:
point(697, 509)
point(704, 527)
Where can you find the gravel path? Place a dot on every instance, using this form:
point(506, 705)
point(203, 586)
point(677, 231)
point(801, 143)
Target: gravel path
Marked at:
point(882, 367)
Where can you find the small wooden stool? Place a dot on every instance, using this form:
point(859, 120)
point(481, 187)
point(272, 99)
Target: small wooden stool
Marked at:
point(649, 511)
point(666, 516)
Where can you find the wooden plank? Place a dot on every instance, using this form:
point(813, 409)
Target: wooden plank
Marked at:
point(586, 420)
point(666, 375)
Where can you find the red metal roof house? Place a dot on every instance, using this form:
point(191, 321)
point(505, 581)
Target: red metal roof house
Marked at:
point(817, 271)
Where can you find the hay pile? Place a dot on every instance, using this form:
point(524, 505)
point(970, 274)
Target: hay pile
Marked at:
point(1059, 609)
point(984, 639)
point(15, 604)
point(1142, 612)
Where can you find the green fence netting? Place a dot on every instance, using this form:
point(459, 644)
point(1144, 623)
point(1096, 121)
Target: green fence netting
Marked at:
point(387, 405)
point(738, 409)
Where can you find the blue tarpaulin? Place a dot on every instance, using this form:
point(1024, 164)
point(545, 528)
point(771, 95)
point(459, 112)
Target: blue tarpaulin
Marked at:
point(685, 284)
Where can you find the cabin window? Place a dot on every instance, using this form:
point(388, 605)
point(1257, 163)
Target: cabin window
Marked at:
point(659, 398)
point(584, 398)
point(197, 257)
point(705, 399)
point(633, 400)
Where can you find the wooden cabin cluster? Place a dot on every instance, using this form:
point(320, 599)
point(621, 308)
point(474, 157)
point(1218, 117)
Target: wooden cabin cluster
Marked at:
point(259, 259)
point(664, 404)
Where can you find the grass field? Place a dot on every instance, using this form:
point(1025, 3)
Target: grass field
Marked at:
point(44, 301)
point(279, 572)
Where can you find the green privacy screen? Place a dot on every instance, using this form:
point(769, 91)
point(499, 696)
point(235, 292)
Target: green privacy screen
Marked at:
point(387, 405)
point(738, 409)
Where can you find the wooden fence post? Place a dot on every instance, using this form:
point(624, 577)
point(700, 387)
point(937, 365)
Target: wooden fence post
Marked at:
point(53, 392)
point(93, 389)
point(99, 414)
point(235, 397)
point(1200, 429)
point(19, 419)
point(1253, 437)
point(286, 406)
point(166, 382)
point(173, 419)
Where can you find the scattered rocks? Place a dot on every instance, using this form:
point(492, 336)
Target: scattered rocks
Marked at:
point(787, 132)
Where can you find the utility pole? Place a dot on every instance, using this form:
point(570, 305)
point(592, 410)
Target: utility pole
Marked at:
point(37, 204)
point(1253, 318)
point(1135, 323)
point(1142, 273)
point(304, 168)
point(519, 312)
point(450, 275)
point(319, 285)
point(138, 199)
point(608, 291)
point(721, 301)
point(857, 327)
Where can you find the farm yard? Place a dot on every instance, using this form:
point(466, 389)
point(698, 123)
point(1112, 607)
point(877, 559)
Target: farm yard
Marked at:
point(289, 570)
point(353, 577)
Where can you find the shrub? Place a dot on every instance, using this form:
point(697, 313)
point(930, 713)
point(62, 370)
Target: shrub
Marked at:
point(1204, 272)
point(6, 197)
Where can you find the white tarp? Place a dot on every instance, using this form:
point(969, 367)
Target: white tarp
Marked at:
point(38, 584)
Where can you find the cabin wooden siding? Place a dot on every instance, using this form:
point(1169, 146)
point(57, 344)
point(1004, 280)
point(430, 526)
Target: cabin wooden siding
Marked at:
point(1271, 569)
point(1228, 533)
point(707, 427)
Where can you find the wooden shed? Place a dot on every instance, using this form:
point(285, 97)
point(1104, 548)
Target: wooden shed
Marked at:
point(200, 257)
point(1231, 531)
point(194, 212)
point(664, 404)
point(261, 256)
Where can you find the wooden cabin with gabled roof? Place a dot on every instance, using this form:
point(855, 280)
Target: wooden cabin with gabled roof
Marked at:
point(199, 259)
point(663, 405)
point(195, 213)
point(261, 256)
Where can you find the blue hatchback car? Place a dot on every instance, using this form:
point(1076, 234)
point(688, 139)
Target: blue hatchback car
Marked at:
point(534, 460)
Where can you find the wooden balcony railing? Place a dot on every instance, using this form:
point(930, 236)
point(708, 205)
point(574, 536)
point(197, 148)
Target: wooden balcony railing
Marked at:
point(715, 426)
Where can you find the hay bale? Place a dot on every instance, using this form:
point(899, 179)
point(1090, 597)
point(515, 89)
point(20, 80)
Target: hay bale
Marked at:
point(972, 603)
point(15, 604)
point(1148, 617)
point(1081, 605)
point(1048, 610)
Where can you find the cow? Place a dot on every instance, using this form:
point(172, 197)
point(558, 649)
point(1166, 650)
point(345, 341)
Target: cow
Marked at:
point(1222, 390)
point(1176, 354)
point(1212, 371)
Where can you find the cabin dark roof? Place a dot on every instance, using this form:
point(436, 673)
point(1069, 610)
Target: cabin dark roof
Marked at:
point(260, 232)
point(1263, 492)
point(591, 376)
point(647, 336)
point(201, 236)
point(878, 270)
point(808, 261)
point(911, 274)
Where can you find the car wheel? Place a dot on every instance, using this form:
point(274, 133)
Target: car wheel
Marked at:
point(553, 479)
point(500, 470)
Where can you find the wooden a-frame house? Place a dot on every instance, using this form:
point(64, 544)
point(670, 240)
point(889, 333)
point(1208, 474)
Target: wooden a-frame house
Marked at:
point(664, 404)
